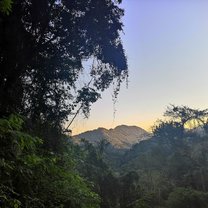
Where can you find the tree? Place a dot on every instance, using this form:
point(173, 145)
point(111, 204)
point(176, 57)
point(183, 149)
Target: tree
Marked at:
point(179, 118)
point(185, 115)
point(168, 129)
point(42, 49)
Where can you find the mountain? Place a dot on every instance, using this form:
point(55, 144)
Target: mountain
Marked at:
point(121, 137)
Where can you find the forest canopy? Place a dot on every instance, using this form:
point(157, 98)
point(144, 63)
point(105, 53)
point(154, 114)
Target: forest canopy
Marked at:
point(42, 48)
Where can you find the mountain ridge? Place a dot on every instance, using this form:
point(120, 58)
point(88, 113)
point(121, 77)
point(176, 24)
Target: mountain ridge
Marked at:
point(120, 137)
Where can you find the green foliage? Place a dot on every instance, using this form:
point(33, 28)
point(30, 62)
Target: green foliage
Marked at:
point(166, 173)
point(187, 198)
point(6, 6)
point(34, 177)
point(169, 170)
point(141, 203)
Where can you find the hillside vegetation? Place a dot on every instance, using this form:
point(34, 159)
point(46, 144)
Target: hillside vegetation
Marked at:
point(168, 170)
point(172, 165)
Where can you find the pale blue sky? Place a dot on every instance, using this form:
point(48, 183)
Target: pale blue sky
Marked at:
point(166, 43)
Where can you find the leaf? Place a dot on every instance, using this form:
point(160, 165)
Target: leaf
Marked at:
point(6, 6)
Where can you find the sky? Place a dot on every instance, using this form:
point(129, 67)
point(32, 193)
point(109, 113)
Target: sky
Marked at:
point(166, 43)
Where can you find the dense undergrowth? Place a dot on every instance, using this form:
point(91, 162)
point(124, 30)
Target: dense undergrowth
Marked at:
point(32, 176)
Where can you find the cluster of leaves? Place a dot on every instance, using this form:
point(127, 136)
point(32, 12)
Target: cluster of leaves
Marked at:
point(5, 6)
point(31, 176)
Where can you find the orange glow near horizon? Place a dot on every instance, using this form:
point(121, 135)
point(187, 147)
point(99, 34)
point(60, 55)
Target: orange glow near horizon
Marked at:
point(166, 45)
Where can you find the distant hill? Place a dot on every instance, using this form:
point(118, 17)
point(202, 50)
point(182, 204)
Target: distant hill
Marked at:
point(121, 137)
